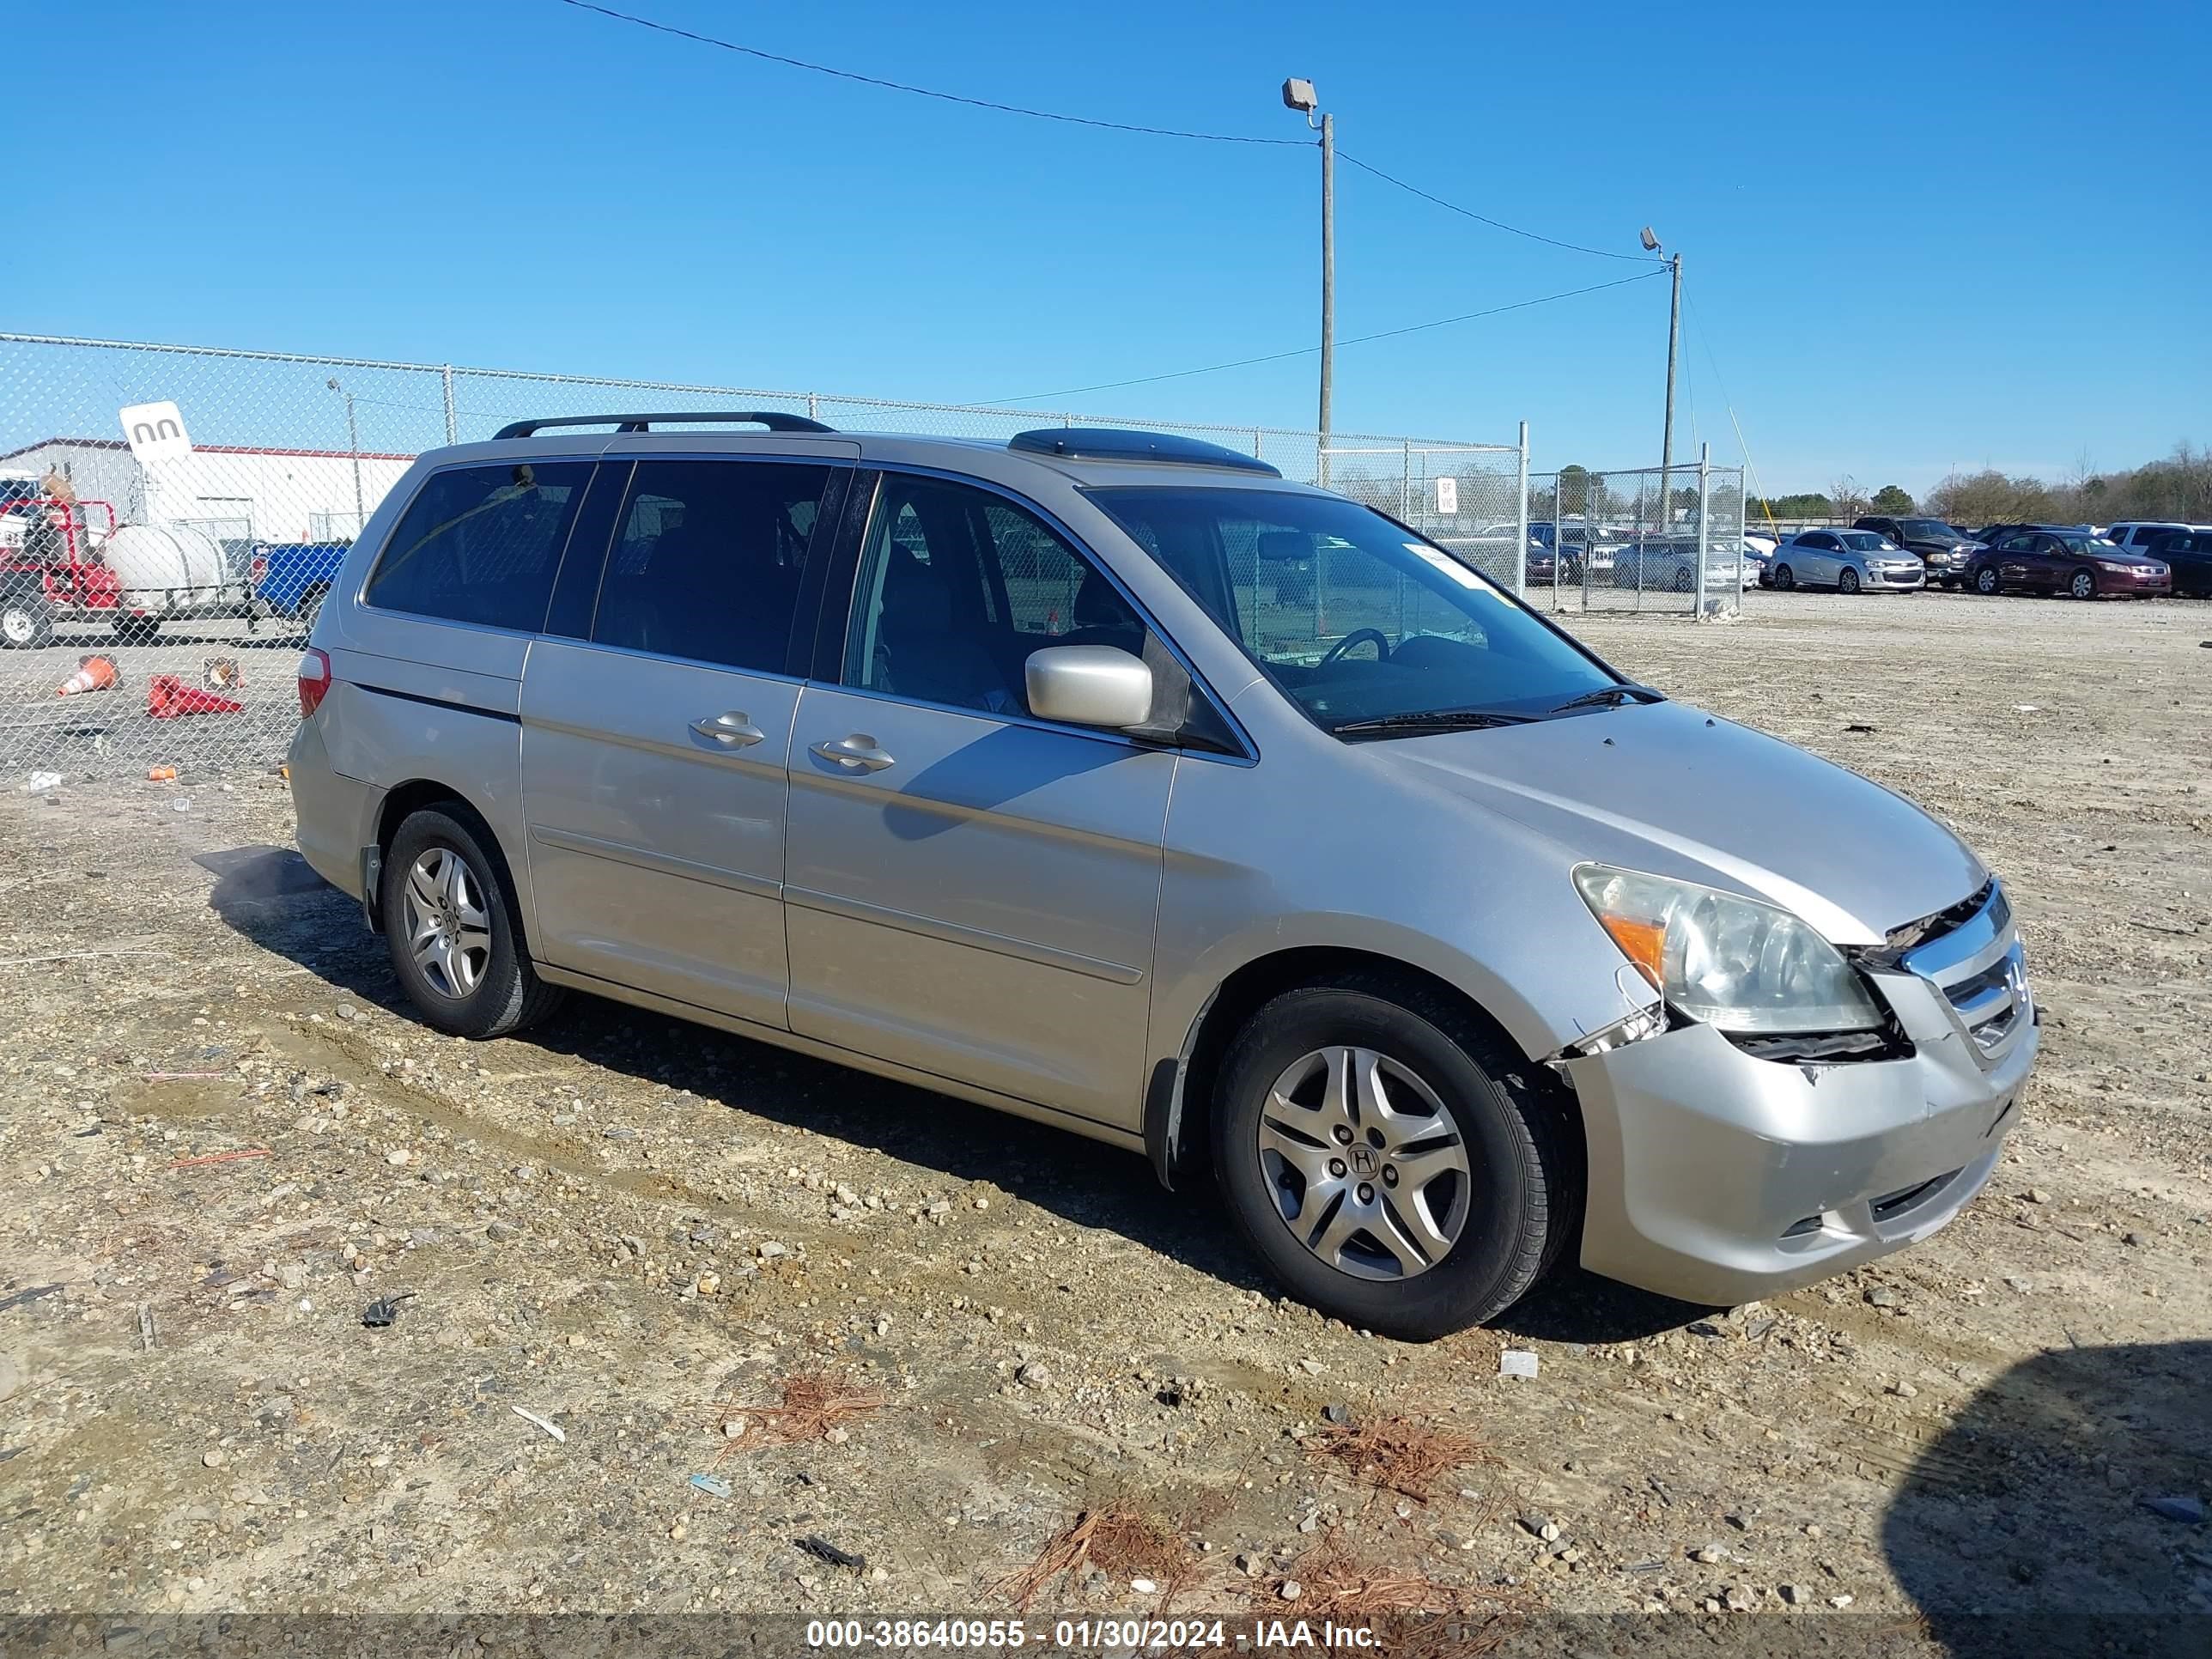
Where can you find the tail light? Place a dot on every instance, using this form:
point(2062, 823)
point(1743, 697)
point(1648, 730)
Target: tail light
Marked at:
point(315, 681)
point(260, 567)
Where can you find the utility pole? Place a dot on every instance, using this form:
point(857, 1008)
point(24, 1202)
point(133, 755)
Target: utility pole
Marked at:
point(1299, 95)
point(352, 443)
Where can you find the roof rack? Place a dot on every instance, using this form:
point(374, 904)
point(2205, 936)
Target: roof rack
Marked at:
point(1106, 443)
point(774, 420)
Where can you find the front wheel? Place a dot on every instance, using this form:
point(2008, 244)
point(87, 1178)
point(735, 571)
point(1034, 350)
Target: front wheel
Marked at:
point(451, 930)
point(1784, 577)
point(2083, 585)
point(26, 622)
point(1385, 1160)
point(1848, 582)
point(1986, 581)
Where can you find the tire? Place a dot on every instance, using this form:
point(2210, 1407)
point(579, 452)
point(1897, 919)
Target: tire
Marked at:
point(1847, 580)
point(1685, 582)
point(1496, 1221)
point(135, 630)
point(26, 622)
point(2082, 585)
point(1785, 578)
point(310, 606)
point(1570, 573)
point(463, 988)
point(1987, 582)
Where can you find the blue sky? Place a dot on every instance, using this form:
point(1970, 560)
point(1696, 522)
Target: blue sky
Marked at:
point(1914, 237)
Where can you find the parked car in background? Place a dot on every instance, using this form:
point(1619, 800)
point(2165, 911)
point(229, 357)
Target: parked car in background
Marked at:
point(291, 580)
point(2188, 557)
point(1945, 550)
point(1579, 547)
point(983, 787)
point(1848, 561)
point(2066, 559)
point(1669, 564)
point(2141, 535)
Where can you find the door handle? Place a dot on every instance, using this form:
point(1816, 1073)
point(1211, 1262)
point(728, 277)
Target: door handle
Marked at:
point(732, 730)
point(857, 753)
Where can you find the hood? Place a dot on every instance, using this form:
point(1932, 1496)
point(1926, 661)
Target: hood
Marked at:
point(1667, 789)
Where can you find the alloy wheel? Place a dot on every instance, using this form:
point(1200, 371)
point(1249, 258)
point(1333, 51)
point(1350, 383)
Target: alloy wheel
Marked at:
point(449, 930)
point(1368, 1170)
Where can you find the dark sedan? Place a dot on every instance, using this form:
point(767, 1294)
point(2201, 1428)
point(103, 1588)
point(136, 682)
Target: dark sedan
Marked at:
point(2188, 554)
point(2057, 559)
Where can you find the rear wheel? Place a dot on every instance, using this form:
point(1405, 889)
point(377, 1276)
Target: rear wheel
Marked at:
point(1384, 1157)
point(1986, 580)
point(450, 926)
point(1684, 581)
point(1847, 581)
point(2082, 585)
point(1784, 577)
point(26, 622)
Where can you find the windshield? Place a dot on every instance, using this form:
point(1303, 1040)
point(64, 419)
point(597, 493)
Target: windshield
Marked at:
point(1932, 530)
point(1352, 617)
point(2095, 547)
point(1867, 541)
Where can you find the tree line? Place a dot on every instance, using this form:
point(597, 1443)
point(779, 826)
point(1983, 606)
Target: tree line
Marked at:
point(2178, 486)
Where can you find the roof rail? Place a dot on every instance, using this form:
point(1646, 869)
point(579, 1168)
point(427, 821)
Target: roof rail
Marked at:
point(774, 420)
point(1106, 443)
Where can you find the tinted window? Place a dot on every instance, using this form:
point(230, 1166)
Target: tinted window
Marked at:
point(957, 586)
point(1820, 539)
point(480, 544)
point(1352, 617)
point(1863, 541)
point(707, 560)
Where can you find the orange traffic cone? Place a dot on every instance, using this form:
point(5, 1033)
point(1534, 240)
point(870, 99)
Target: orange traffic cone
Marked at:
point(93, 674)
point(169, 698)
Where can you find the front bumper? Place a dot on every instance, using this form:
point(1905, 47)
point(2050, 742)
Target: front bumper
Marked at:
point(1718, 1177)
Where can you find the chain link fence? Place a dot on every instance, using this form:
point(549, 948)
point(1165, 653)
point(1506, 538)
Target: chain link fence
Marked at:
point(170, 515)
point(1665, 542)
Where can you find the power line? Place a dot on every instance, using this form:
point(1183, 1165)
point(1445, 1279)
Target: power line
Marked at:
point(926, 92)
point(1495, 224)
point(1308, 351)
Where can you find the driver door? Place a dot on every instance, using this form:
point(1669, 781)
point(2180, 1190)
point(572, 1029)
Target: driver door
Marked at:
point(970, 891)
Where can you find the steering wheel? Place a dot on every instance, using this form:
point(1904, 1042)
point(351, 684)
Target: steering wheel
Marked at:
point(1382, 646)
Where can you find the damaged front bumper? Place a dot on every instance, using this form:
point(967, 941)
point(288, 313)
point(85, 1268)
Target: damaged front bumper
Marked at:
point(1720, 1177)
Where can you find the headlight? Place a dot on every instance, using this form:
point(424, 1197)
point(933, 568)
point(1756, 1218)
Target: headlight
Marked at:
point(1733, 962)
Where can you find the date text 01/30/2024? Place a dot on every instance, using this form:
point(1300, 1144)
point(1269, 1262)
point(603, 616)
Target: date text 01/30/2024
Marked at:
point(1085, 1635)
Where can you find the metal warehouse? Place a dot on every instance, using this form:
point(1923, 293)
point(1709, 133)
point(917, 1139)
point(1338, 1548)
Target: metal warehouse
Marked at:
point(235, 492)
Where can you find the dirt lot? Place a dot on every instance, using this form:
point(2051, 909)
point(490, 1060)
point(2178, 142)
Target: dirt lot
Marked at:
point(646, 1234)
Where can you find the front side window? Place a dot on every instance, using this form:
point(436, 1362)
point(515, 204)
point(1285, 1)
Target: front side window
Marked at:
point(958, 586)
point(481, 545)
point(1352, 617)
point(706, 561)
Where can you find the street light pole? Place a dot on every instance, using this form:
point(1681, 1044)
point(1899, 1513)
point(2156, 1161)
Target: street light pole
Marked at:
point(1299, 95)
point(1667, 435)
point(352, 443)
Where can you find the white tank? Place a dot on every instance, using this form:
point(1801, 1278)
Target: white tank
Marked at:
point(162, 558)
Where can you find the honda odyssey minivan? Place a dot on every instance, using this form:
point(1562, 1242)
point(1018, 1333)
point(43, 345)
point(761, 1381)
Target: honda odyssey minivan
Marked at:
point(1108, 779)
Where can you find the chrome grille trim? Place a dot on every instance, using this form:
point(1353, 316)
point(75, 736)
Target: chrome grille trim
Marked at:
point(1980, 970)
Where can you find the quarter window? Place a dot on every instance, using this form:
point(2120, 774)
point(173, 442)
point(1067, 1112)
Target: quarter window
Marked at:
point(480, 544)
point(707, 559)
point(957, 586)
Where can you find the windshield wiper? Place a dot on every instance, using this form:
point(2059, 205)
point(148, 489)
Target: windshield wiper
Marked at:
point(1612, 696)
point(1431, 720)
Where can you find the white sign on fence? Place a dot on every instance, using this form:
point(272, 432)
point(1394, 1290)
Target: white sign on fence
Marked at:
point(156, 432)
point(1447, 496)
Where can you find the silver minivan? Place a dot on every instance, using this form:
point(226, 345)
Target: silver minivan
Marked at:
point(1110, 779)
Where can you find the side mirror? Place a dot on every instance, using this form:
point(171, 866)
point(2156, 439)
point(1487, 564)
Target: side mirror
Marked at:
point(1088, 685)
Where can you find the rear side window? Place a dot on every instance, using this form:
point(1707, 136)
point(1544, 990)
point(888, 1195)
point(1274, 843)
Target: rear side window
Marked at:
point(480, 544)
point(706, 561)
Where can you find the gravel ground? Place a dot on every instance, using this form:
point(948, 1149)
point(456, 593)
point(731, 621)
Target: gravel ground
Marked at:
point(224, 1136)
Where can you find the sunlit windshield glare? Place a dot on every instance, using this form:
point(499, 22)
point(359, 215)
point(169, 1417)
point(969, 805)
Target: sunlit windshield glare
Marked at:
point(1352, 617)
point(1933, 530)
